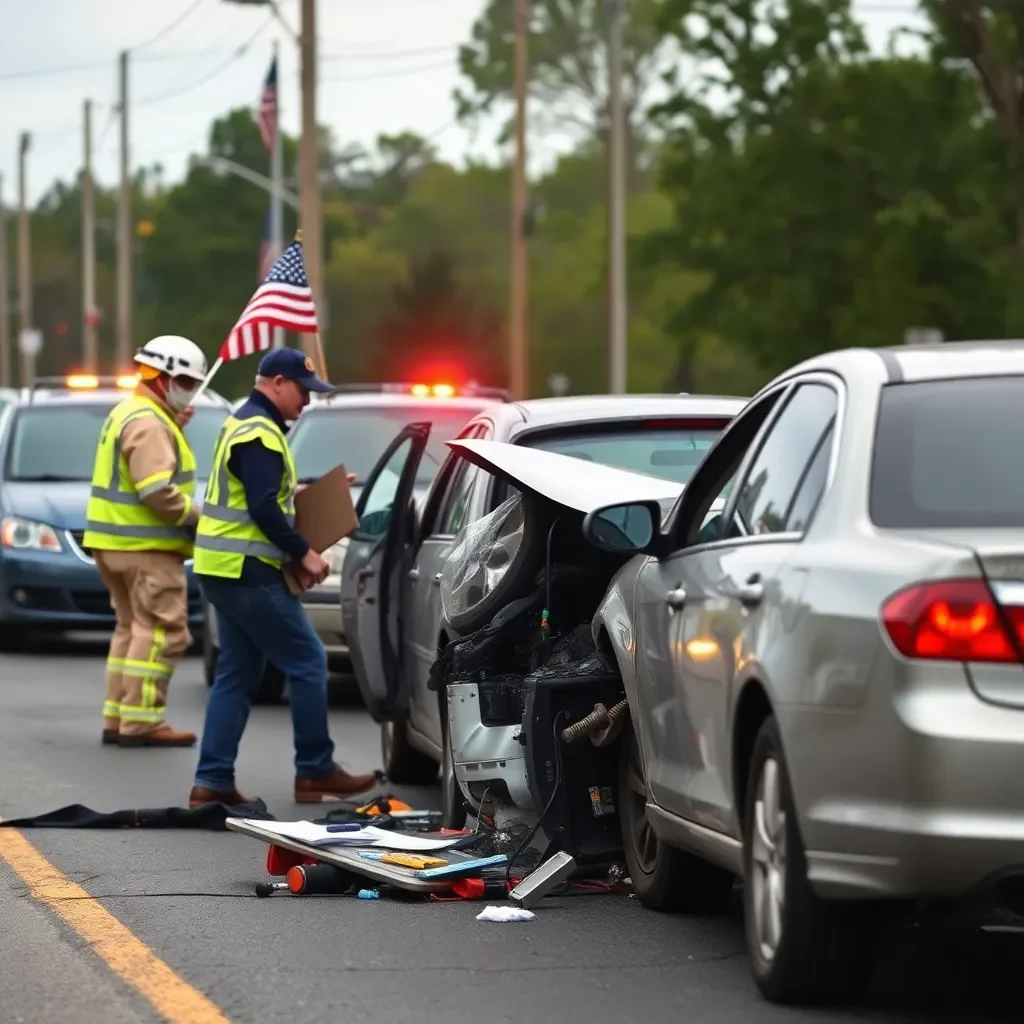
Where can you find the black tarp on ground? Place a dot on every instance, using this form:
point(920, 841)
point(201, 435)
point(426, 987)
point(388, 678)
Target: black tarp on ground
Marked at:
point(210, 817)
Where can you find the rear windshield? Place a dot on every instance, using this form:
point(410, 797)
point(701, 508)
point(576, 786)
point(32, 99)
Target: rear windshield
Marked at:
point(59, 444)
point(358, 437)
point(670, 452)
point(950, 454)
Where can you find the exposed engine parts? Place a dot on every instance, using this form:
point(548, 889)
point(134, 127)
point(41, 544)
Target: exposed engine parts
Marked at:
point(602, 725)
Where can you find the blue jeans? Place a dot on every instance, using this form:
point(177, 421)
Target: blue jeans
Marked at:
point(258, 623)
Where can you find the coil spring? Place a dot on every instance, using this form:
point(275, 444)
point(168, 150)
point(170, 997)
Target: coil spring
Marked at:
point(600, 717)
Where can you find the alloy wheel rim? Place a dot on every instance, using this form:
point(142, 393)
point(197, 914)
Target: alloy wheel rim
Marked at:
point(645, 842)
point(768, 861)
point(450, 792)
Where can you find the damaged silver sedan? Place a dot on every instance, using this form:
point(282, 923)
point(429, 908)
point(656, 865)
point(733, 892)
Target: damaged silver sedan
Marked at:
point(806, 676)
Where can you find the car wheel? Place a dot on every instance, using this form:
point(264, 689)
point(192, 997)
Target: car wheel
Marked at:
point(664, 878)
point(403, 764)
point(13, 639)
point(802, 949)
point(211, 655)
point(271, 690)
point(518, 572)
point(453, 802)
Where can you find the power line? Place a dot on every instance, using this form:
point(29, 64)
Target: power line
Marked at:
point(104, 65)
point(238, 54)
point(388, 54)
point(396, 73)
point(169, 28)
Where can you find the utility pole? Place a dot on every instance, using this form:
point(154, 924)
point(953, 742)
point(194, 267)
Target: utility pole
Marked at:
point(277, 177)
point(310, 218)
point(90, 354)
point(5, 327)
point(617, 317)
point(28, 359)
point(519, 295)
point(124, 233)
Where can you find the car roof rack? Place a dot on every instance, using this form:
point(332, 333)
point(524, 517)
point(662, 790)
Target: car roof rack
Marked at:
point(422, 390)
point(86, 383)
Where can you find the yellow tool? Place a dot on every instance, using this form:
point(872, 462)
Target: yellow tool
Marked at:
point(411, 860)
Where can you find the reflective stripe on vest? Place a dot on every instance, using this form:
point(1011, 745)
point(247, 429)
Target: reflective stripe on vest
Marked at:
point(227, 534)
point(117, 517)
point(180, 477)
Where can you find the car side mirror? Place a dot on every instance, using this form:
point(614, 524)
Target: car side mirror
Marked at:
point(627, 529)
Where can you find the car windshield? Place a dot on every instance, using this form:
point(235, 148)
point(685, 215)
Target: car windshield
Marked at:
point(948, 454)
point(54, 444)
point(358, 437)
point(669, 451)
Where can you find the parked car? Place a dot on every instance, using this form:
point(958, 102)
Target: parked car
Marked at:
point(393, 565)
point(823, 681)
point(48, 580)
point(354, 425)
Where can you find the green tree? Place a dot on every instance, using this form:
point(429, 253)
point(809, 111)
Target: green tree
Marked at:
point(568, 66)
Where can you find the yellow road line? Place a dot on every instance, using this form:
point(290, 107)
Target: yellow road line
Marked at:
point(125, 954)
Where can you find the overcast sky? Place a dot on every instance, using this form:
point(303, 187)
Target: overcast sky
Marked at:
point(386, 66)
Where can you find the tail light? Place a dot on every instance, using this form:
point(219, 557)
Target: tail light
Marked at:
point(952, 620)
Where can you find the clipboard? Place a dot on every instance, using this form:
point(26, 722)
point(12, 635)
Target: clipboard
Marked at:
point(324, 513)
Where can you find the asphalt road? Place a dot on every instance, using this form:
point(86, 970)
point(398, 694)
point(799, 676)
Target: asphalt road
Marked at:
point(186, 897)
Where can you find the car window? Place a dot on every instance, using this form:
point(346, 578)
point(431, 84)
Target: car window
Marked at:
point(669, 451)
point(809, 493)
point(457, 512)
point(58, 444)
point(948, 455)
point(378, 500)
point(778, 470)
point(358, 436)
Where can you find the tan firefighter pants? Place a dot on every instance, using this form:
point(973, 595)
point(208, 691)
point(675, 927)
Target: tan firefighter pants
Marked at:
point(149, 596)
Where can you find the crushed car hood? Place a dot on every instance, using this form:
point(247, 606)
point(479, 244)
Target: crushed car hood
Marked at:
point(579, 485)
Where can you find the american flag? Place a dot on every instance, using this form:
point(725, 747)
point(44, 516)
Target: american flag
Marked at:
point(283, 300)
point(267, 115)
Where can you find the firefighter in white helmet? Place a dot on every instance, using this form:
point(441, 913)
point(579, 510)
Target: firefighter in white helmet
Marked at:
point(141, 527)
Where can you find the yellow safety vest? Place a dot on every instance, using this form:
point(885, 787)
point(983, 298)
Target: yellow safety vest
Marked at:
point(116, 517)
point(226, 533)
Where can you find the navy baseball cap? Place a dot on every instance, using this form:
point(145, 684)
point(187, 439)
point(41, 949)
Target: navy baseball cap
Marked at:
point(293, 365)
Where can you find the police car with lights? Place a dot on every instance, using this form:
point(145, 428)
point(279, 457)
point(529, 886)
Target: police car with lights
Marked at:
point(354, 425)
point(48, 437)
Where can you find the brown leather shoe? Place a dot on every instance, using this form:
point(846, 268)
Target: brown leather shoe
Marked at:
point(110, 737)
point(339, 784)
point(163, 736)
point(200, 796)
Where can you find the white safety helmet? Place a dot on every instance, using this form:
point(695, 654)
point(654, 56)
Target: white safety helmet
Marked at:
point(173, 355)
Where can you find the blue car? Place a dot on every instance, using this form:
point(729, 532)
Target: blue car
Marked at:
point(48, 581)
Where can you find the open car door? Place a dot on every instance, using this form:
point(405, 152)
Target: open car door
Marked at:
point(372, 573)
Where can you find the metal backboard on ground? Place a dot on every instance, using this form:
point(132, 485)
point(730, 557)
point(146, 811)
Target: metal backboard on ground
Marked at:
point(348, 859)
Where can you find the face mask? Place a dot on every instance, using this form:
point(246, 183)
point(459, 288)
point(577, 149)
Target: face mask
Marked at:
point(178, 397)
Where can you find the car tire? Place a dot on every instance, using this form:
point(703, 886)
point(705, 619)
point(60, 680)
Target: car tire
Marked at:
point(404, 765)
point(13, 639)
point(664, 878)
point(271, 689)
point(211, 655)
point(803, 950)
point(520, 576)
point(453, 801)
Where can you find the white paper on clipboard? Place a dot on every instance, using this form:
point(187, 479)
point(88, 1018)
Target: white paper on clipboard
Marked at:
point(370, 836)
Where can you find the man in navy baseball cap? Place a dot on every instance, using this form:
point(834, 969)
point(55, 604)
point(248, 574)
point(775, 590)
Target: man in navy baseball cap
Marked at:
point(246, 535)
point(293, 365)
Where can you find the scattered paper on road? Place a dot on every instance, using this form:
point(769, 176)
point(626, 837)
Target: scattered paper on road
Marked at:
point(504, 915)
point(317, 835)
